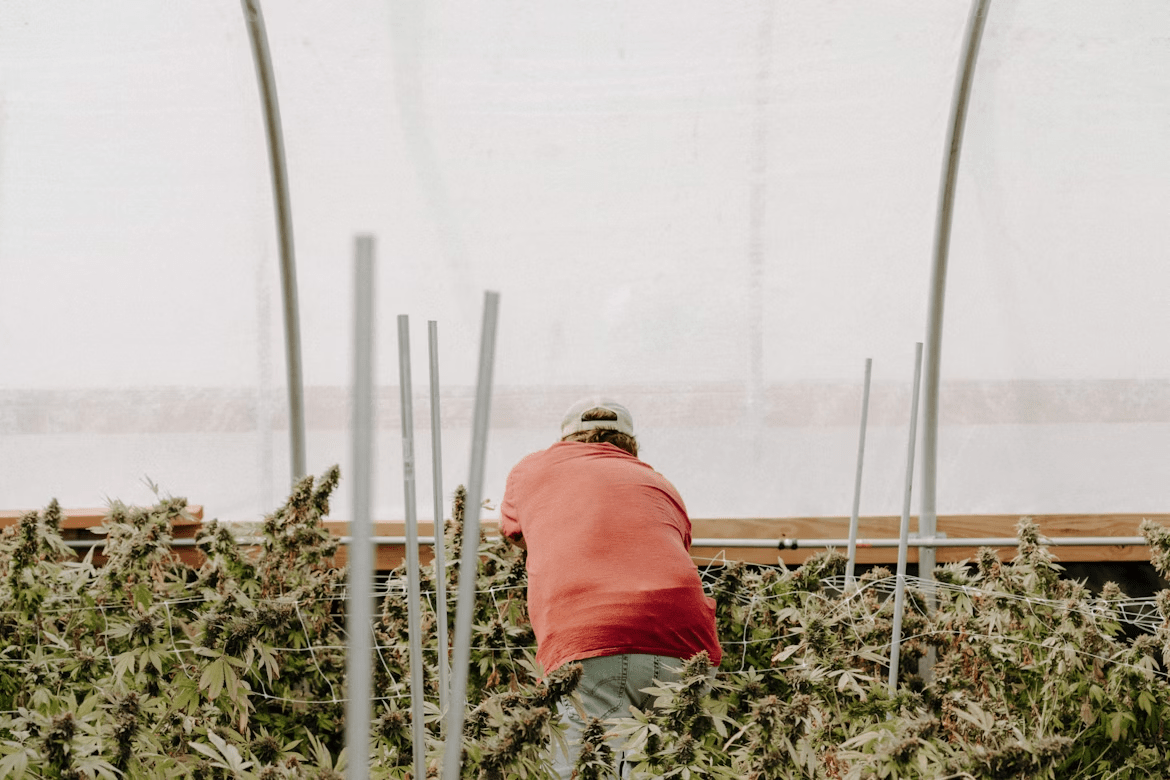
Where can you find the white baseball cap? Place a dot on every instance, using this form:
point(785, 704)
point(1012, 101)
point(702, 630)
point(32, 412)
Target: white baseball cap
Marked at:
point(574, 424)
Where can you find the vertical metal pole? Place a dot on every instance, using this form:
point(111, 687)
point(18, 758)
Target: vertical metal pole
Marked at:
point(757, 224)
point(857, 481)
point(469, 557)
point(281, 203)
point(265, 401)
point(413, 596)
point(904, 529)
point(440, 552)
point(359, 610)
point(928, 516)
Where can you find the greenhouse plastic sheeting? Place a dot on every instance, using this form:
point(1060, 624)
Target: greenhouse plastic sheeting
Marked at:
point(714, 212)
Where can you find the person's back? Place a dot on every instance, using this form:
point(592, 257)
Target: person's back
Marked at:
point(608, 563)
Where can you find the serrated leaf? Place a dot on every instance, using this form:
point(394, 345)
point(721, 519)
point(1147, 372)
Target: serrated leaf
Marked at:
point(88, 705)
point(186, 696)
point(206, 750)
point(230, 681)
point(15, 765)
point(976, 717)
point(124, 664)
point(231, 755)
point(212, 678)
point(785, 654)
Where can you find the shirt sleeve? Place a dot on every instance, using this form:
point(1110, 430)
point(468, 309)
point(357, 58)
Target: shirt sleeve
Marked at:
point(509, 516)
point(684, 518)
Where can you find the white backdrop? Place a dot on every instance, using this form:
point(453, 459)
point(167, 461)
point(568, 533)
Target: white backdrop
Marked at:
point(715, 212)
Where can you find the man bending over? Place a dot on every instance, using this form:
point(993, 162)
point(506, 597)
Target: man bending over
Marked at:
point(611, 583)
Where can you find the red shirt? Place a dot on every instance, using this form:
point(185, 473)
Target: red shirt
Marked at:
point(609, 568)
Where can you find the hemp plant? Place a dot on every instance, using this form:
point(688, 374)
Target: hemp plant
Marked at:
point(140, 666)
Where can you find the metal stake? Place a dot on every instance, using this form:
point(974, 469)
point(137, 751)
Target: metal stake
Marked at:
point(469, 558)
point(904, 529)
point(857, 482)
point(440, 524)
point(413, 596)
point(359, 664)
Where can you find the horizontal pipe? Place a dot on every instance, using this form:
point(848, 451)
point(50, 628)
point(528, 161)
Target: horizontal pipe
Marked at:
point(777, 544)
point(926, 541)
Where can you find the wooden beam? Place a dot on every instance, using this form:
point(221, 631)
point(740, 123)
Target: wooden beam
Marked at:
point(77, 522)
point(954, 526)
point(78, 525)
point(388, 556)
point(93, 517)
point(874, 527)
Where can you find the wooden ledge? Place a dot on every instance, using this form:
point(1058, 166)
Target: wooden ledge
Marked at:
point(954, 526)
point(874, 527)
point(76, 524)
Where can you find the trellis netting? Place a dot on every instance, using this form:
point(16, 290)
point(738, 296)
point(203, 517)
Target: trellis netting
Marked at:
point(714, 212)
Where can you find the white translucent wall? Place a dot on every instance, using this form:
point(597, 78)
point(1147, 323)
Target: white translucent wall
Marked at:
point(713, 211)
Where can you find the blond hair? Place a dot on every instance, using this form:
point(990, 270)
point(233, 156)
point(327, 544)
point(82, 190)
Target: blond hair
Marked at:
point(622, 441)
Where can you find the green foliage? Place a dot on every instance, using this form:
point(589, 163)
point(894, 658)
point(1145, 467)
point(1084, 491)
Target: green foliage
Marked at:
point(144, 667)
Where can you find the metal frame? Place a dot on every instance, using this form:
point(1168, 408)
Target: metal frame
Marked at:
point(266, 81)
point(928, 516)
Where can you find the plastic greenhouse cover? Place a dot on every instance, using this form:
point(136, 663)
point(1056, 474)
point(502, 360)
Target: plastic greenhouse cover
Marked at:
point(712, 211)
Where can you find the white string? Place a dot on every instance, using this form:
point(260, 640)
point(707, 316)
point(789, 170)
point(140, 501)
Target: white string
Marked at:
point(503, 624)
point(105, 638)
point(312, 653)
point(747, 626)
point(174, 646)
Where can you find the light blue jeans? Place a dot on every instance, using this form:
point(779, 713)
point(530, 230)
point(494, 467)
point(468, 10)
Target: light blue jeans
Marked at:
point(609, 686)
